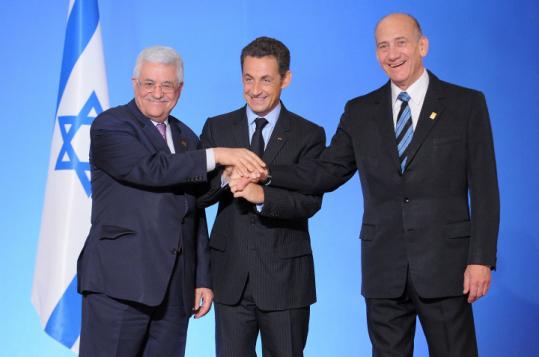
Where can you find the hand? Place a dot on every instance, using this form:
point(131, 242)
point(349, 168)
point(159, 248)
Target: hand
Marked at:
point(243, 160)
point(253, 193)
point(227, 174)
point(476, 281)
point(237, 182)
point(203, 300)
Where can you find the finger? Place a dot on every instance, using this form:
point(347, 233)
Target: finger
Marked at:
point(466, 287)
point(248, 166)
point(197, 301)
point(241, 169)
point(253, 158)
point(203, 310)
point(474, 292)
point(485, 289)
point(254, 162)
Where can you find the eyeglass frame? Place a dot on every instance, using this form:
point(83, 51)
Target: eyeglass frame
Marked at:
point(143, 84)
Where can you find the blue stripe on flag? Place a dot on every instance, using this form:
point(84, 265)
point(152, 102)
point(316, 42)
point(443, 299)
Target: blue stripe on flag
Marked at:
point(64, 323)
point(81, 26)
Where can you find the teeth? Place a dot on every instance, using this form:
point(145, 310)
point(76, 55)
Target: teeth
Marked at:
point(396, 65)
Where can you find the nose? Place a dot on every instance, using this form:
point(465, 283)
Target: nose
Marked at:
point(257, 88)
point(392, 53)
point(157, 92)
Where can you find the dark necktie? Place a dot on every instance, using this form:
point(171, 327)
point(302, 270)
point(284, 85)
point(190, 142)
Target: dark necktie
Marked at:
point(257, 141)
point(404, 129)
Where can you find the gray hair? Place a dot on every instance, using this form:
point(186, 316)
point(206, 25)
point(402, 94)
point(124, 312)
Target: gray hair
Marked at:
point(160, 54)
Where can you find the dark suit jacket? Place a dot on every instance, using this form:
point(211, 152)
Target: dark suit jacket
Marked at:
point(144, 210)
point(440, 215)
point(272, 247)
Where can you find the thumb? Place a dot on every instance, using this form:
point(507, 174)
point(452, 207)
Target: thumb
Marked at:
point(197, 301)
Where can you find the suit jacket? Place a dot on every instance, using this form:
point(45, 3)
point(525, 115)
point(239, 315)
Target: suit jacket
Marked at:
point(440, 215)
point(272, 247)
point(143, 210)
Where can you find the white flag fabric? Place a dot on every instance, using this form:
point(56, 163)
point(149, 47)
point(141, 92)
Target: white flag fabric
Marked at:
point(65, 219)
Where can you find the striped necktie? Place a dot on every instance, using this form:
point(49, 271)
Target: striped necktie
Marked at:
point(404, 129)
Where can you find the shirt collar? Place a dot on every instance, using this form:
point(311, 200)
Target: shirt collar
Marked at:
point(156, 122)
point(271, 117)
point(417, 90)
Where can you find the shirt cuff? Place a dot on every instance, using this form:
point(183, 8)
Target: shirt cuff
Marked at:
point(210, 160)
point(224, 181)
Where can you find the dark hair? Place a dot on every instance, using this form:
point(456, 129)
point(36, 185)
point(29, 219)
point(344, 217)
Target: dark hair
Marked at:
point(266, 46)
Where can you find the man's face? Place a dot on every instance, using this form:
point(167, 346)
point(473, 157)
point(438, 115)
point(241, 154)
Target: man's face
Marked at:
point(262, 83)
point(400, 49)
point(157, 90)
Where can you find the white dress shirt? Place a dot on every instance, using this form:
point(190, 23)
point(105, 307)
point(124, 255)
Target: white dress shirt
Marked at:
point(417, 92)
point(210, 157)
point(168, 134)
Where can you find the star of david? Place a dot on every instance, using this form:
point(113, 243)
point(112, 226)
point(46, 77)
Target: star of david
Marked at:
point(69, 125)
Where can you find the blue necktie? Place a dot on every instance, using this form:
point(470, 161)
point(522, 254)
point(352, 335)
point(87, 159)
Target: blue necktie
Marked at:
point(404, 130)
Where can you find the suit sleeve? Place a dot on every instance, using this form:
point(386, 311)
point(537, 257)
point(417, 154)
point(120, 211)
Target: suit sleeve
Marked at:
point(333, 168)
point(285, 204)
point(117, 150)
point(483, 186)
point(214, 191)
point(203, 273)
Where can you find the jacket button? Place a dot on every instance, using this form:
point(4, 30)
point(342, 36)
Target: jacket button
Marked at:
point(406, 200)
point(173, 251)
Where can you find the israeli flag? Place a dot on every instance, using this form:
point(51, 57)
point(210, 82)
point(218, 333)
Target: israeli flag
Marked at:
point(65, 219)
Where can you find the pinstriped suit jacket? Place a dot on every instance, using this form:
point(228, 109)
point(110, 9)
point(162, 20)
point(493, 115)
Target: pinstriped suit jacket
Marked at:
point(271, 248)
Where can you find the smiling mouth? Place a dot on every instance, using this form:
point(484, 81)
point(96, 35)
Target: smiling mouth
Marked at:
point(395, 65)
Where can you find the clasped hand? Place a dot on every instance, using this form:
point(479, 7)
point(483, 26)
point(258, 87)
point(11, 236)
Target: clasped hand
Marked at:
point(244, 185)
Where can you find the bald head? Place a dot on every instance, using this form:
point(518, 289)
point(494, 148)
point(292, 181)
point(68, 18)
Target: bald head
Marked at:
point(403, 17)
point(400, 48)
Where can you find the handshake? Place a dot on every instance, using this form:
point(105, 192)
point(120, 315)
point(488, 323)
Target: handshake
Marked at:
point(243, 171)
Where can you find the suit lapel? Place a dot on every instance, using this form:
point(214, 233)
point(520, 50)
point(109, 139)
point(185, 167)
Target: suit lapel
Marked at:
point(149, 129)
point(241, 129)
point(279, 136)
point(432, 107)
point(180, 145)
point(383, 116)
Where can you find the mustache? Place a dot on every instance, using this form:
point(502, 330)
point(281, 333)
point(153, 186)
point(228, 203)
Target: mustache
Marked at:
point(159, 100)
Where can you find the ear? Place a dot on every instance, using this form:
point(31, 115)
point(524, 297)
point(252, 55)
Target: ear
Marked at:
point(286, 79)
point(423, 46)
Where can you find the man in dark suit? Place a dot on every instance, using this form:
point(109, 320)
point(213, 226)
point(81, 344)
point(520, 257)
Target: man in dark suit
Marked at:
point(261, 259)
point(144, 268)
point(425, 156)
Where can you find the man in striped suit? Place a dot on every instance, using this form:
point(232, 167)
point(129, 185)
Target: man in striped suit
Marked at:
point(261, 259)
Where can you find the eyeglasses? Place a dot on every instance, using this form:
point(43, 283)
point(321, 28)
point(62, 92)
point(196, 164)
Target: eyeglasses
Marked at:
point(150, 86)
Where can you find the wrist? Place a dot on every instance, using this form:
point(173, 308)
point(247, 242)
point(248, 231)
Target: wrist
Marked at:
point(267, 180)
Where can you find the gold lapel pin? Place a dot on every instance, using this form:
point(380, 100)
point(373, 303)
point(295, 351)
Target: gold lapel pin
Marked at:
point(184, 144)
point(433, 115)
point(279, 138)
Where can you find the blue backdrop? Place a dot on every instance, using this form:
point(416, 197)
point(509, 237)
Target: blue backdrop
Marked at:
point(487, 45)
